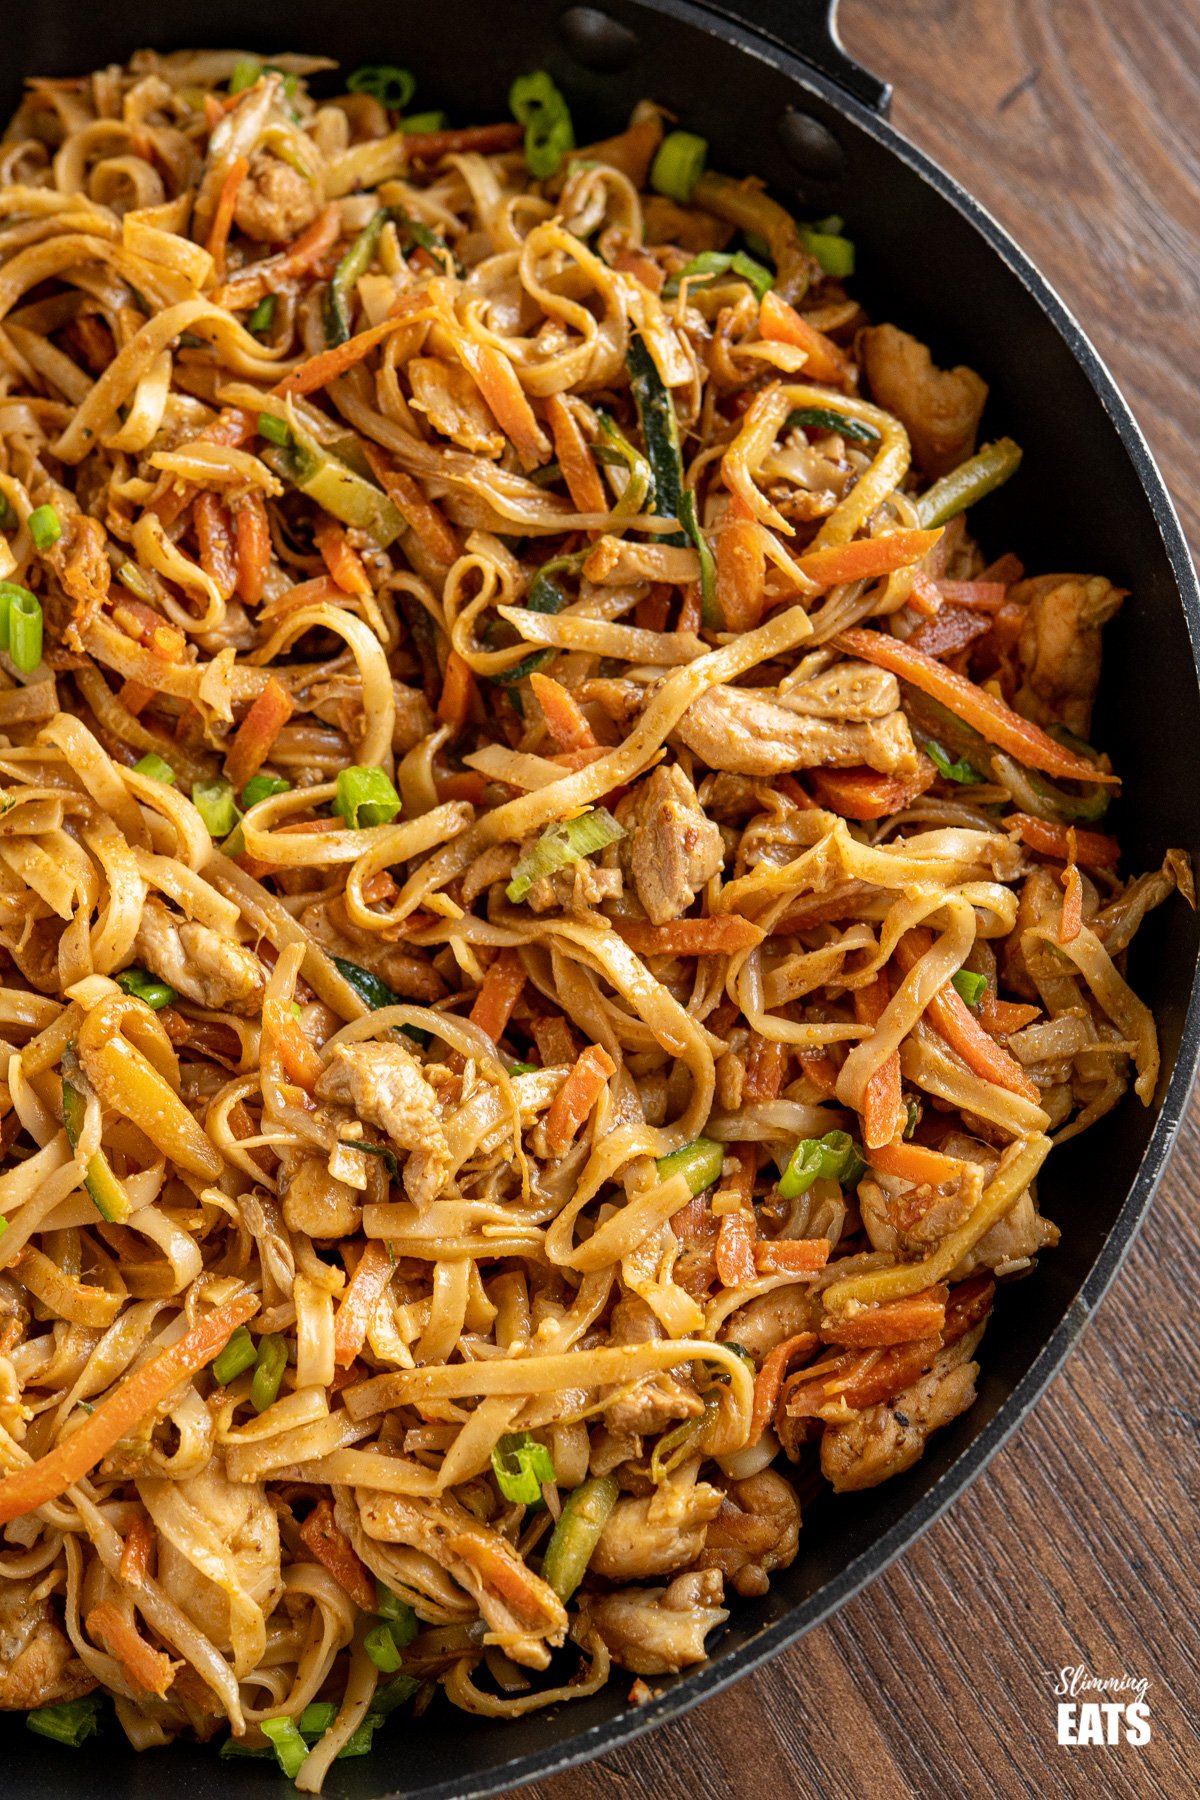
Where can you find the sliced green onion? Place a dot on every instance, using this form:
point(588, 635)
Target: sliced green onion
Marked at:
point(398, 1613)
point(912, 1107)
point(549, 135)
point(566, 841)
point(521, 1464)
point(678, 165)
point(834, 252)
point(833, 1157)
point(710, 611)
point(823, 418)
point(584, 1515)
point(239, 1354)
point(722, 262)
point(382, 1649)
point(522, 1068)
point(971, 987)
point(276, 431)
point(359, 1741)
point(67, 1724)
point(3, 1225)
point(245, 73)
point(387, 1698)
point(660, 432)
point(353, 265)
point(989, 468)
point(270, 1363)
point(262, 787)
point(960, 770)
point(108, 1195)
point(216, 805)
point(153, 766)
point(365, 797)
point(45, 527)
point(392, 87)
point(419, 123)
point(316, 1719)
point(21, 626)
point(144, 986)
point(291, 81)
point(700, 1161)
point(262, 318)
point(289, 1747)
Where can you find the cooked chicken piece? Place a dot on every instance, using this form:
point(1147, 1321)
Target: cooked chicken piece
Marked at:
point(495, 864)
point(1020, 1234)
point(234, 1525)
point(414, 718)
point(1039, 903)
point(274, 203)
point(316, 1202)
point(385, 1086)
point(1059, 646)
point(38, 1666)
point(656, 1631)
point(852, 691)
point(882, 1441)
point(747, 731)
point(577, 888)
point(452, 403)
point(687, 226)
point(673, 847)
point(658, 1534)
point(756, 1530)
point(524, 1613)
point(657, 1400)
point(769, 1320)
point(212, 969)
point(80, 560)
point(939, 408)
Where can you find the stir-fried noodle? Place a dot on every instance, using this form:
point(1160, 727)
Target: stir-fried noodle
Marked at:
point(552, 903)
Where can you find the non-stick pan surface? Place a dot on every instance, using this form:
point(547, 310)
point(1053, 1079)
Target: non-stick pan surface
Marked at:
point(1087, 497)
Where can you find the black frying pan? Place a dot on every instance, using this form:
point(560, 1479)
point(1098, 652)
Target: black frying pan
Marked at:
point(775, 94)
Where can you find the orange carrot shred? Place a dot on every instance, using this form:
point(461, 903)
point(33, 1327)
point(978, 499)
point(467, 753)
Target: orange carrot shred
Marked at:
point(741, 566)
point(147, 1668)
point(866, 557)
point(735, 1250)
point(458, 693)
point(798, 1256)
point(1093, 850)
point(575, 458)
point(782, 324)
point(563, 715)
point(421, 514)
point(769, 1379)
point(296, 1050)
point(1072, 908)
point(255, 737)
point(891, 1321)
point(865, 794)
point(577, 1096)
point(253, 547)
point(957, 1025)
point(327, 1544)
point(881, 1097)
point(222, 223)
point(343, 562)
point(500, 992)
point(914, 1162)
point(135, 1557)
point(356, 1310)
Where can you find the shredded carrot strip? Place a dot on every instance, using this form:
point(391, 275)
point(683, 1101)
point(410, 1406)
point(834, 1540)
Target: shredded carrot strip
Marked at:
point(766, 1060)
point(735, 1250)
point(867, 557)
point(24, 1490)
point(577, 1096)
point(1093, 850)
point(984, 596)
point(741, 567)
point(496, 379)
point(769, 1379)
point(500, 992)
point(296, 1051)
point(151, 1670)
point(955, 628)
point(253, 547)
point(252, 284)
point(781, 324)
point(691, 609)
point(575, 458)
point(135, 1557)
point(488, 140)
point(458, 693)
point(915, 1162)
point(135, 696)
point(722, 935)
point(214, 537)
point(146, 627)
point(327, 1544)
point(1002, 1016)
point(255, 737)
point(461, 784)
point(957, 1025)
point(222, 223)
point(358, 1303)
point(340, 558)
point(563, 715)
point(792, 1256)
point(881, 1098)
point(822, 1072)
point(891, 1321)
point(328, 364)
point(1072, 909)
point(419, 513)
point(865, 794)
point(989, 716)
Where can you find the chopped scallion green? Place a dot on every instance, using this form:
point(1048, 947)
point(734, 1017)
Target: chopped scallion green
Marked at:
point(549, 135)
point(365, 797)
point(262, 318)
point(144, 986)
point(239, 1354)
point(216, 805)
point(419, 123)
point(246, 71)
point(270, 1363)
point(289, 1747)
point(970, 987)
point(262, 787)
point(678, 165)
point(153, 766)
point(45, 527)
point(564, 842)
point(276, 431)
point(521, 1464)
point(833, 1157)
point(20, 626)
point(70, 1723)
point(392, 87)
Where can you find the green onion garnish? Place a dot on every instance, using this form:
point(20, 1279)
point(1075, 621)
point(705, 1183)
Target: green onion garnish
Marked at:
point(239, 1354)
point(721, 262)
point(270, 1363)
point(262, 317)
point(700, 1161)
point(144, 986)
point(584, 1515)
point(216, 805)
point(246, 71)
point(564, 842)
point(422, 122)
point(541, 109)
point(834, 252)
point(392, 87)
point(521, 1464)
point(833, 1157)
point(678, 165)
point(398, 1613)
point(276, 431)
point(67, 1724)
point(971, 987)
point(961, 770)
point(152, 765)
point(289, 1747)
point(20, 626)
point(365, 797)
point(382, 1650)
point(262, 787)
point(823, 418)
point(45, 527)
point(522, 1068)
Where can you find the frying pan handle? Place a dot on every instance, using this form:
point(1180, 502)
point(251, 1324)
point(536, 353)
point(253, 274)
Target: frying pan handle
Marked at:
point(809, 29)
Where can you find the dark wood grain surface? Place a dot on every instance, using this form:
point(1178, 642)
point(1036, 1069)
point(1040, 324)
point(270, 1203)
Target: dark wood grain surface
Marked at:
point(1077, 122)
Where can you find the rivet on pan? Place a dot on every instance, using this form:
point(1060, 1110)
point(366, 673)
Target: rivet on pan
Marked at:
point(812, 146)
point(597, 40)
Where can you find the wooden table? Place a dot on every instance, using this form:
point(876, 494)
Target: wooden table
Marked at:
point(1076, 123)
